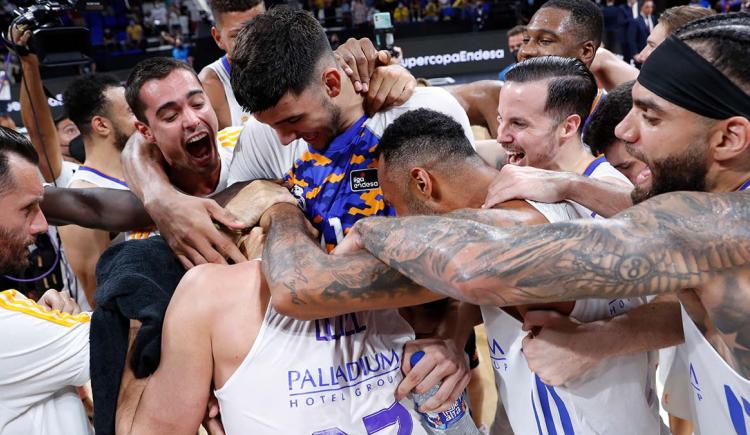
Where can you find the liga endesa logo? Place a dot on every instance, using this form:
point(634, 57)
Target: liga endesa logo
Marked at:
point(462, 56)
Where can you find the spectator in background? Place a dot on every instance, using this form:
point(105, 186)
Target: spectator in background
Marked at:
point(66, 131)
point(159, 17)
point(181, 52)
point(431, 11)
point(615, 26)
point(640, 28)
point(110, 44)
point(401, 13)
point(515, 42)
point(631, 12)
point(174, 20)
point(359, 14)
point(478, 14)
point(134, 33)
point(669, 21)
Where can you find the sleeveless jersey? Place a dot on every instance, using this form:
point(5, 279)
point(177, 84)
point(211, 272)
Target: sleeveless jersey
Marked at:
point(719, 396)
point(598, 168)
point(222, 69)
point(100, 179)
point(615, 397)
point(345, 382)
point(325, 377)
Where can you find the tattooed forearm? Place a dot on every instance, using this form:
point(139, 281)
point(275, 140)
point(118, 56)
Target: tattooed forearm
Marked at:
point(307, 283)
point(670, 242)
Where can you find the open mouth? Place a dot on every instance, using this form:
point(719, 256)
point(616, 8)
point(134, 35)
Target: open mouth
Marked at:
point(199, 146)
point(514, 157)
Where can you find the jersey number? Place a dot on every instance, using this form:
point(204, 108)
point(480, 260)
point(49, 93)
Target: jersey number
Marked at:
point(737, 410)
point(377, 421)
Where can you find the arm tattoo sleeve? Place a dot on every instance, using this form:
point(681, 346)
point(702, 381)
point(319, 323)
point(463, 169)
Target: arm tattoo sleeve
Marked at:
point(306, 282)
point(670, 242)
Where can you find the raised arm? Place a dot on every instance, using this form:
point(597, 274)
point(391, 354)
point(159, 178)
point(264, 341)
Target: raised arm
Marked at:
point(186, 222)
point(674, 241)
point(306, 283)
point(38, 122)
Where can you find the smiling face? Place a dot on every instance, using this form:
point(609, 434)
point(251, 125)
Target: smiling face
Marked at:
point(551, 32)
point(525, 131)
point(181, 121)
point(670, 140)
point(310, 116)
point(21, 219)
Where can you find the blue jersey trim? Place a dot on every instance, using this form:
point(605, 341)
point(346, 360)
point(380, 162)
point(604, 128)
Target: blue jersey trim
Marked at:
point(744, 186)
point(103, 175)
point(225, 64)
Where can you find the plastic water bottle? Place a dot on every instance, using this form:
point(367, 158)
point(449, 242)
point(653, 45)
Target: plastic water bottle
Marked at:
point(454, 421)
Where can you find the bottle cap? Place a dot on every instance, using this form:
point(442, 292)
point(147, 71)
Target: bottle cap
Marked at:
point(415, 357)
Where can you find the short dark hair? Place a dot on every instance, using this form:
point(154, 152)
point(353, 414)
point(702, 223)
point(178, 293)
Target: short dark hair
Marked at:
point(586, 15)
point(275, 53)
point(84, 98)
point(516, 30)
point(600, 131)
point(571, 88)
point(424, 136)
point(677, 16)
point(12, 142)
point(222, 6)
point(723, 40)
point(155, 68)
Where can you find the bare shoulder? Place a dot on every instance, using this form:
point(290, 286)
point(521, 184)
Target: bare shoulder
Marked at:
point(82, 184)
point(207, 75)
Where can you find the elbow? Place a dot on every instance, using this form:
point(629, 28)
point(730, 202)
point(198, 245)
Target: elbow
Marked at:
point(286, 300)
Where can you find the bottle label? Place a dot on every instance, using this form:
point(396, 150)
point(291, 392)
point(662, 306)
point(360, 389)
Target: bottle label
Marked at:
point(446, 419)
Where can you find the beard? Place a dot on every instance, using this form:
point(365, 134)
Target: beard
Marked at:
point(121, 139)
point(14, 253)
point(686, 172)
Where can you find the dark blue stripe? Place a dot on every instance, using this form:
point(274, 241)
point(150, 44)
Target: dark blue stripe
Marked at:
point(226, 65)
point(593, 165)
point(744, 186)
point(541, 390)
point(108, 177)
point(536, 415)
point(564, 415)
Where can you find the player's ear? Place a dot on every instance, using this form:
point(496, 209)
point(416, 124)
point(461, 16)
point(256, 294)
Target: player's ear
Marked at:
point(422, 182)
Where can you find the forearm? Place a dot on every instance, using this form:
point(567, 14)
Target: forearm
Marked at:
point(98, 208)
point(671, 242)
point(144, 172)
point(307, 283)
point(649, 327)
point(37, 118)
point(604, 198)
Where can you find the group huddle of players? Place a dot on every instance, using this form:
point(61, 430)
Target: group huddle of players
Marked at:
point(334, 219)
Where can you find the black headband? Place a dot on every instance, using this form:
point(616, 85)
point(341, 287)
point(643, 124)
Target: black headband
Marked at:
point(675, 72)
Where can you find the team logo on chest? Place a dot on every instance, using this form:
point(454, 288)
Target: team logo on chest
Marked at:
point(363, 179)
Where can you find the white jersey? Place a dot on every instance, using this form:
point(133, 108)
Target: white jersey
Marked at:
point(222, 68)
point(329, 376)
point(44, 355)
point(260, 154)
point(599, 168)
point(616, 397)
point(719, 396)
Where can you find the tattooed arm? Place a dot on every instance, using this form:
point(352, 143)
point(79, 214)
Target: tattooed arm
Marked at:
point(670, 242)
point(306, 283)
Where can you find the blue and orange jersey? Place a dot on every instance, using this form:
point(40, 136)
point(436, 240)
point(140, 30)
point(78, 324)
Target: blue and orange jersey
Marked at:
point(339, 186)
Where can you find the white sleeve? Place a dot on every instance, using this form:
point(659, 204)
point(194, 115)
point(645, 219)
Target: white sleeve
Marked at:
point(46, 351)
point(432, 98)
point(260, 155)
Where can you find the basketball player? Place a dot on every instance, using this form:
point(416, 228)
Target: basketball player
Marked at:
point(45, 348)
point(96, 104)
point(229, 17)
point(690, 140)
